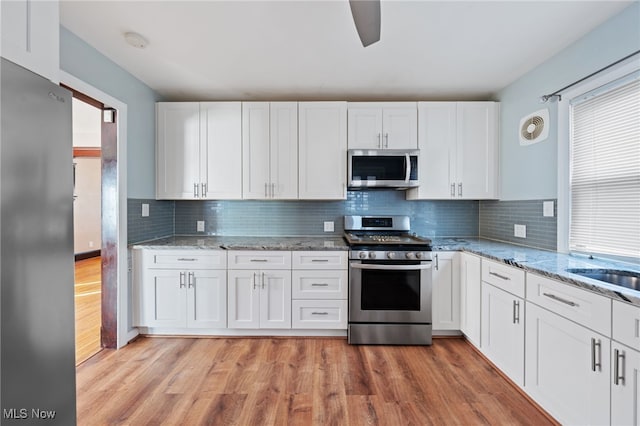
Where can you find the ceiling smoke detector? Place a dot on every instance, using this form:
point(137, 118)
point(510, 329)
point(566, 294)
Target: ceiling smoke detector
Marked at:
point(534, 127)
point(135, 40)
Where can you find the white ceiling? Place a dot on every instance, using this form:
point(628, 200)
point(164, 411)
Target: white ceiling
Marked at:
point(309, 50)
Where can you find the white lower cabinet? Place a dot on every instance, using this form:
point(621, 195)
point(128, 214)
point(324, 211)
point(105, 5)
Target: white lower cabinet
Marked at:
point(446, 291)
point(180, 289)
point(567, 368)
point(470, 300)
point(502, 333)
point(319, 314)
point(259, 298)
point(625, 385)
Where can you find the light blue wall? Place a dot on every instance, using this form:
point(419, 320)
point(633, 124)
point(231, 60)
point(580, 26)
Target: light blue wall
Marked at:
point(86, 63)
point(529, 173)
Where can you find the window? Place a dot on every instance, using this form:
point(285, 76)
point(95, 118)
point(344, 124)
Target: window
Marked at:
point(604, 182)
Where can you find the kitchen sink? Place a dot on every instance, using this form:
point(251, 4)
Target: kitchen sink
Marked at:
point(626, 279)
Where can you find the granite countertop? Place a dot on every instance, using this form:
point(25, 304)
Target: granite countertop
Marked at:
point(547, 263)
point(246, 243)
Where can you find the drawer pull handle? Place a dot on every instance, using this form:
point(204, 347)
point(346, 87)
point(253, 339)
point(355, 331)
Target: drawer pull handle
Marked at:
point(596, 355)
point(560, 299)
point(258, 260)
point(186, 259)
point(516, 312)
point(502, 277)
point(319, 313)
point(182, 275)
point(192, 279)
point(319, 285)
point(320, 260)
point(618, 373)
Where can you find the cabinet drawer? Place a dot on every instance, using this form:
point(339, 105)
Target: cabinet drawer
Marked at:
point(626, 324)
point(504, 277)
point(181, 259)
point(319, 314)
point(319, 259)
point(256, 259)
point(329, 284)
point(585, 308)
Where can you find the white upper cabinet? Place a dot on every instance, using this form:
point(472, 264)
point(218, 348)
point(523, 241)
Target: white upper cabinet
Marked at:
point(323, 150)
point(458, 144)
point(270, 150)
point(389, 125)
point(198, 150)
point(31, 35)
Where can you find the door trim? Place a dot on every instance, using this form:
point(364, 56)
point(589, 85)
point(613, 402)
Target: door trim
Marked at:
point(125, 333)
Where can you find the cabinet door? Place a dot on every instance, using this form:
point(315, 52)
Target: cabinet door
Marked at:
point(470, 301)
point(177, 150)
point(446, 291)
point(163, 298)
point(255, 150)
point(567, 368)
point(437, 144)
point(284, 150)
point(275, 299)
point(243, 299)
point(625, 390)
point(365, 128)
point(400, 128)
point(503, 331)
point(221, 153)
point(322, 150)
point(31, 35)
point(477, 167)
point(207, 299)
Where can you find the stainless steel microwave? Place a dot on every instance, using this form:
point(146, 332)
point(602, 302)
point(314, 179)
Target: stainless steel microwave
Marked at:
point(383, 168)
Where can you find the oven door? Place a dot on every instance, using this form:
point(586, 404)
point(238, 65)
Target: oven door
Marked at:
point(390, 292)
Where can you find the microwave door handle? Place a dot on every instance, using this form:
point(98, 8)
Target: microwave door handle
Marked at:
point(387, 267)
point(408, 175)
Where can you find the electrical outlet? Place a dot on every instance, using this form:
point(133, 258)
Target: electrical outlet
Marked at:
point(145, 210)
point(328, 226)
point(200, 225)
point(520, 231)
point(547, 208)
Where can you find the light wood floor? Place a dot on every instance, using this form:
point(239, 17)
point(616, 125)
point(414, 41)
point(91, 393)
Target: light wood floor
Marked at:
point(265, 381)
point(88, 308)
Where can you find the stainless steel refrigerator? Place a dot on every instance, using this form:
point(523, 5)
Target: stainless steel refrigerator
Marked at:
point(37, 349)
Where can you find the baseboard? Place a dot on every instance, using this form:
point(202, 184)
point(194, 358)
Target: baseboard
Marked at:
point(87, 255)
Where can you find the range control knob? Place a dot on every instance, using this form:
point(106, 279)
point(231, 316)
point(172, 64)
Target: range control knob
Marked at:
point(391, 255)
point(372, 255)
point(419, 255)
point(362, 255)
point(410, 255)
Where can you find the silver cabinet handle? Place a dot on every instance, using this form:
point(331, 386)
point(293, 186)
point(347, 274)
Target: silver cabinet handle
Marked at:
point(379, 140)
point(204, 190)
point(460, 189)
point(596, 355)
point(386, 138)
point(187, 259)
point(560, 299)
point(502, 277)
point(320, 260)
point(258, 260)
point(319, 285)
point(266, 186)
point(516, 312)
point(319, 313)
point(182, 280)
point(453, 189)
point(618, 372)
point(254, 280)
point(437, 263)
point(192, 279)
point(273, 190)
point(195, 190)
point(263, 280)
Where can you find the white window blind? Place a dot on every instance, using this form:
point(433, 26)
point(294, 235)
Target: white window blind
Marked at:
point(605, 170)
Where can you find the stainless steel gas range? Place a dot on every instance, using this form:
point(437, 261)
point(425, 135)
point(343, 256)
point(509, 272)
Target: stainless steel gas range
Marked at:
point(390, 282)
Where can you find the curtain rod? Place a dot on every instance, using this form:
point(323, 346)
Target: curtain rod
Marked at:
point(557, 93)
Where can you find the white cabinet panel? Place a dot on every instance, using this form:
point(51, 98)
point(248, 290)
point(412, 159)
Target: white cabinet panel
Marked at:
point(626, 324)
point(187, 259)
point(386, 125)
point(365, 128)
point(625, 388)
point(400, 127)
point(319, 314)
point(322, 150)
point(567, 368)
point(503, 331)
point(243, 299)
point(446, 291)
point(253, 259)
point(506, 277)
point(275, 299)
point(207, 299)
point(320, 259)
point(163, 299)
point(321, 284)
point(470, 300)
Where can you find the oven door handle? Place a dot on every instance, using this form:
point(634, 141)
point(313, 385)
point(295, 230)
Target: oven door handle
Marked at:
point(387, 267)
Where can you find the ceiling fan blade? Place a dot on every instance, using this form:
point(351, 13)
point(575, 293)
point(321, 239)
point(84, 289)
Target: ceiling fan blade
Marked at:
point(366, 16)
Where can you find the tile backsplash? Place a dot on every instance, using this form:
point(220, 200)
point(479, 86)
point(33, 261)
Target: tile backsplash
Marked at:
point(159, 223)
point(497, 219)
